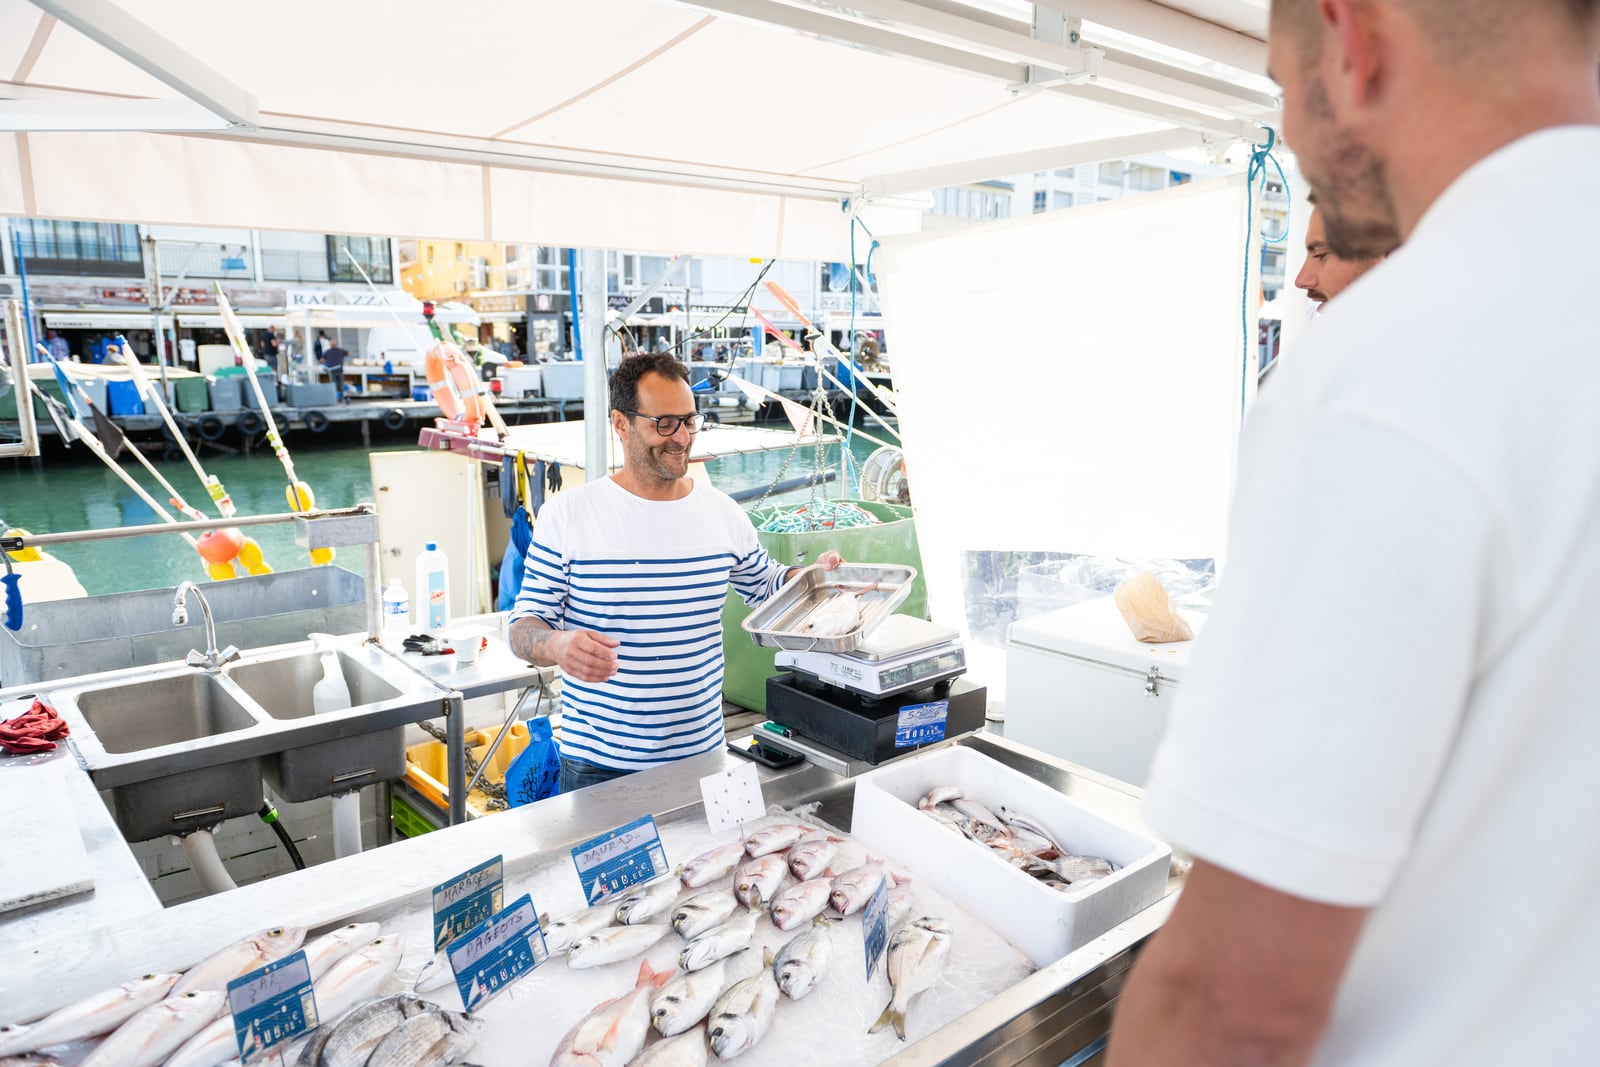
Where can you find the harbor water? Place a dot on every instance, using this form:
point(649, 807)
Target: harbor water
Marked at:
point(74, 491)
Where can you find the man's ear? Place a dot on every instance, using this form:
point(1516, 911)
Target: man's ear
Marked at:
point(1353, 30)
point(619, 422)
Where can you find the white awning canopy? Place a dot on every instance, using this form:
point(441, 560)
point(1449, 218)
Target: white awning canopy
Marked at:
point(736, 127)
point(362, 316)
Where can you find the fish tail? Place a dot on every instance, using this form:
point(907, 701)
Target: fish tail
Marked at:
point(891, 1017)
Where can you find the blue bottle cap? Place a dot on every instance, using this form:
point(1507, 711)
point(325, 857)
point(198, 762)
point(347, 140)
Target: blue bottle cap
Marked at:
point(431, 546)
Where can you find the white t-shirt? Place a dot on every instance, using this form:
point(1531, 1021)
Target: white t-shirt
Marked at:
point(1396, 702)
point(654, 574)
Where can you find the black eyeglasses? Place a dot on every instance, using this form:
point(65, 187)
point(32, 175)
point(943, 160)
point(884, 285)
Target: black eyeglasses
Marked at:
point(667, 425)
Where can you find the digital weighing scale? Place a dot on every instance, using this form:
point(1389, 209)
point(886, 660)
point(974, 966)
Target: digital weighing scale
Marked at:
point(898, 690)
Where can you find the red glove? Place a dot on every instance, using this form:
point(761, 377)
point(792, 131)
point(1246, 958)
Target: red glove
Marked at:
point(35, 730)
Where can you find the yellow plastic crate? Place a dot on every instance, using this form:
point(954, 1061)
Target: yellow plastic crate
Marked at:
point(428, 774)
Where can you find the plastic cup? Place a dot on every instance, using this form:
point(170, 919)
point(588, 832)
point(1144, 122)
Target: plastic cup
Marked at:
point(467, 645)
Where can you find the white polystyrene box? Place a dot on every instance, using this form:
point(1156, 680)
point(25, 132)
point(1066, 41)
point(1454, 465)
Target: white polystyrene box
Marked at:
point(1041, 922)
point(1081, 687)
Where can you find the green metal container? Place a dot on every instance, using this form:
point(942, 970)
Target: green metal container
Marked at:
point(747, 666)
point(8, 403)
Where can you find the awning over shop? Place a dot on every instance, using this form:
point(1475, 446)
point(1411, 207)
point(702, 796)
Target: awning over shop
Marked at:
point(503, 316)
point(363, 316)
point(213, 320)
point(92, 320)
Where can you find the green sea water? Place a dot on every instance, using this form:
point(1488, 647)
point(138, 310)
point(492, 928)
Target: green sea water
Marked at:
point(71, 490)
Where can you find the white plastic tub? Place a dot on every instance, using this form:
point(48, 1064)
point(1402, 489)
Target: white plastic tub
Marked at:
point(1041, 922)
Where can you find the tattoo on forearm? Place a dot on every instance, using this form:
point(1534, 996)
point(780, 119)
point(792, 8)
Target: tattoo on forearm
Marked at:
point(532, 643)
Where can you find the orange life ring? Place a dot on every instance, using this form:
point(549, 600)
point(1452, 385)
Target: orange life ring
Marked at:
point(454, 386)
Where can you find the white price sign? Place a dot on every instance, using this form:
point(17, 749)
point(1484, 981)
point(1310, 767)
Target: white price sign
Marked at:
point(732, 797)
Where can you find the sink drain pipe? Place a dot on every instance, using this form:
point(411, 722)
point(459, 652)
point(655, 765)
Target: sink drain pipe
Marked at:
point(201, 849)
point(269, 815)
point(347, 824)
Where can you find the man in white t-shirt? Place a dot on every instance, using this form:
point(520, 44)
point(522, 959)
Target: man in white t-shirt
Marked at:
point(1383, 754)
point(1325, 274)
point(624, 586)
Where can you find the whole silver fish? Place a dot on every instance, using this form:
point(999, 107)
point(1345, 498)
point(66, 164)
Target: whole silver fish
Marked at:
point(323, 952)
point(685, 1000)
point(900, 904)
point(701, 912)
point(614, 944)
point(712, 864)
point(809, 858)
point(800, 903)
point(800, 963)
point(612, 1034)
point(426, 1040)
point(852, 889)
point(643, 903)
point(719, 942)
point(354, 980)
point(97, 1014)
point(688, 1049)
point(741, 1016)
point(758, 880)
point(941, 794)
point(917, 953)
point(848, 857)
point(216, 1044)
point(1077, 870)
point(241, 957)
point(352, 1041)
point(562, 934)
point(985, 823)
point(156, 1032)
point(776, 838)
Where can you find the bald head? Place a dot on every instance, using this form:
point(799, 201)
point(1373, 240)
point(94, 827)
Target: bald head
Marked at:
point(1459, 29)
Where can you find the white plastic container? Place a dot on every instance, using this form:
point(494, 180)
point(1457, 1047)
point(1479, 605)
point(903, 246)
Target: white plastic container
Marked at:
point(1079, 686)
point(433, 590)
point(396, 613)
point(1042, 923)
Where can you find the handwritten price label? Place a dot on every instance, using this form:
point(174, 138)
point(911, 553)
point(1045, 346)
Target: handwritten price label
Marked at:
point(497, 952)
point(467, 900)
point(626, 856)
point(272, 1006)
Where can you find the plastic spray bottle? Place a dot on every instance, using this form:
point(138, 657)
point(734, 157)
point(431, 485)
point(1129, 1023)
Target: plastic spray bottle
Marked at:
point(433, 590)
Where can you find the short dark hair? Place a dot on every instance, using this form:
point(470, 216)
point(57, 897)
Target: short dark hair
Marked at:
point(625, 379)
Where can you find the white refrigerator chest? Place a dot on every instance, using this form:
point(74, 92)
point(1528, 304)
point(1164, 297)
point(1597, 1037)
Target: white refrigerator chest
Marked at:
point(1080, 687)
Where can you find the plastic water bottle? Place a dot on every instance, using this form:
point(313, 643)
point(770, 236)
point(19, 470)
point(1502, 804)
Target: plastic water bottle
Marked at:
point(433, 590)
point(396, 612)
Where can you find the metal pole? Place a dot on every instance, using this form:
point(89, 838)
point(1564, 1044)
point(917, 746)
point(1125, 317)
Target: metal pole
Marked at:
point(596, 389)
point(15, 544)
point(455, 743)
point(27, 310)
point(155, 313)
point(374, 568)
point(29, 446)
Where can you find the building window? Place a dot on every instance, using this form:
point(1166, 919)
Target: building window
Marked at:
point(1041, 200)
point(1060, 200)
point(1111, 174)
point(371, 252)
point(54, 246)
point(1146, 179)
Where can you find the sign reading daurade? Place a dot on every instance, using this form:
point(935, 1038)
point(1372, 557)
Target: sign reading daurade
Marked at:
point(272, 1006)
point(497, 952)
point(467, 900)
point(626, 856)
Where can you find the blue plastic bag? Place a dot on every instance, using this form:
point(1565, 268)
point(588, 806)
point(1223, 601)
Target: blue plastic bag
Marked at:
point(536, 772)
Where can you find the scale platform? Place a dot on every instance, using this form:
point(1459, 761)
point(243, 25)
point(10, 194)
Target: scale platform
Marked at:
point(871, 731)
point(899, 655)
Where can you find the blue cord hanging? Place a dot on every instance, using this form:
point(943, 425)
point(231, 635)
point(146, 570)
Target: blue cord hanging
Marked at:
point(850, 339)
point(1260, 156)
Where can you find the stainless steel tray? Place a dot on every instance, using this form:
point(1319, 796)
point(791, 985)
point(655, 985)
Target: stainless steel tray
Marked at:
point(780, 622)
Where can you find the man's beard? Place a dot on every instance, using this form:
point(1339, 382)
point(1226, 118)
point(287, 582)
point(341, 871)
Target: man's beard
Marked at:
point(1352, 192)
point(655, 461)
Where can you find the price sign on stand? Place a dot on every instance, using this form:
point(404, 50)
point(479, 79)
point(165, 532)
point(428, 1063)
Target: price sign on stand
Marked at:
point(497, 952)
point(875, 926)
point(272, 1006)
point(733, 797)
point(921, 724)
point(467, 900)
point(626, 856)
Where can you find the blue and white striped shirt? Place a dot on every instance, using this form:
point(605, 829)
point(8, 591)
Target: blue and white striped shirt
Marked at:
point(654, 575)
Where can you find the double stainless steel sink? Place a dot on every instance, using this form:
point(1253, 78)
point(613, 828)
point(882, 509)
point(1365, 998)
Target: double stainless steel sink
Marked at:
point(178, 748)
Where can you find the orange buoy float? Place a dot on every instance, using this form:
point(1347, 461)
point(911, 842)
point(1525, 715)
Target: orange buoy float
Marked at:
point(453, 384)
point(221, 548)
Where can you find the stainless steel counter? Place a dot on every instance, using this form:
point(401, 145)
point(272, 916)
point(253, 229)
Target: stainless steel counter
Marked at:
point(56, 955)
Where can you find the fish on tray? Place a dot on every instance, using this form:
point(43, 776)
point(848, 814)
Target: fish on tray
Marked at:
point(94, 1015)
point(840, 614)
point(687, 1049)
point(917, 954)
point(686, 1000)
point(758, 880)
point(565, 932)
point(156, 1032)
point(643, 903)
point(800, 903)
point(810, 856)
point(799, 965)
point(615, 944)
point(712, 864)
point(742, 1015)
point(719, 942)
point(775, 838)
point(426, 1040)
point(701, 912)
point(241, 957)
point(350, 1043)
point(613, 1034)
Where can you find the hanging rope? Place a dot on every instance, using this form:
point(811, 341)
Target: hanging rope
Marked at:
point(810, 517)
point(850, 346)
point(1260, 156)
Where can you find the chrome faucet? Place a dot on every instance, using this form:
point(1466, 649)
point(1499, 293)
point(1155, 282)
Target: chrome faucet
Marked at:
point(211, 659)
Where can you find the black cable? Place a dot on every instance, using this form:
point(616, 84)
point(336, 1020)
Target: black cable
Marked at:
point(269, 815)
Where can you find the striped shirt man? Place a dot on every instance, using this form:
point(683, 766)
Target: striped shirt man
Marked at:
point(653, 575)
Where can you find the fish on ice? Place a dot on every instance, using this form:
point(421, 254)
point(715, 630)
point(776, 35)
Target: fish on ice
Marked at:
point(562, 934)
point(712, 864)
point(614, 944)
point(156, 1032)
point(426, 1040)
point(701, 912)
point(719, 942)
point(917, 954)
point(93, 1015)
point(800, 903)
point(775, 838)
point(800, 963)
point(742, 1015)
point(643, 903)
point(687, 1049)
point(758, 880)
point(241, 957)
point(613, 1034)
